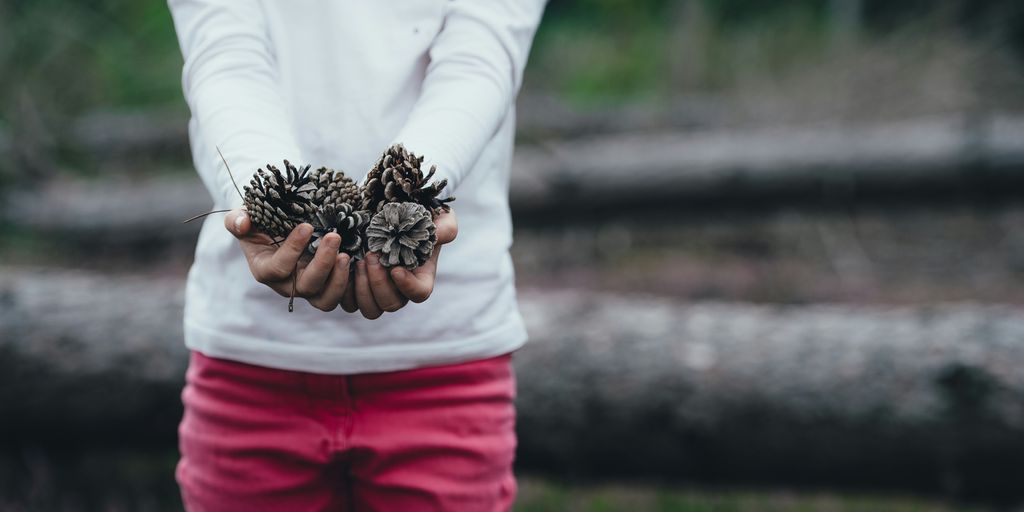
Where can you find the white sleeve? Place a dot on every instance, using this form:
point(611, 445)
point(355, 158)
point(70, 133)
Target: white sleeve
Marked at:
point(475, 70)
point(231, 84)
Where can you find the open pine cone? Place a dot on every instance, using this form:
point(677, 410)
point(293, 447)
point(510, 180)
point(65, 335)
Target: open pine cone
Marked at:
point(403, 233)
point(334, 188)
point(397, 177)
point(342, 219)
point(277, 201)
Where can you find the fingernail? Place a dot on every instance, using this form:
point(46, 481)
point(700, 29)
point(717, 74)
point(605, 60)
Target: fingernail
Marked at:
point(305, 229)
point(238, 222)
point(372, 259)
point(344, 260)
point(361, 267)
point(332, 243)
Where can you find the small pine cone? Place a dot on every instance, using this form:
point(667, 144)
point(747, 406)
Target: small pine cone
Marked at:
point(404, 234)
point(397, 177)
point(276, 201)
point(334, 188)
point(341, 219)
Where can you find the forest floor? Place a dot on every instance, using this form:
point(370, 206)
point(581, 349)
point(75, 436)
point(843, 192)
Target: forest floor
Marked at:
point(36, 480)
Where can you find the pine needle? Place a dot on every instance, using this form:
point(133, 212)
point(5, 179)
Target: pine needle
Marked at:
point(230, 174)
point(201, 215)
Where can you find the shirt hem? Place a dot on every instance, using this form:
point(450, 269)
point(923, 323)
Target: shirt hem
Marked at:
point(354, 360)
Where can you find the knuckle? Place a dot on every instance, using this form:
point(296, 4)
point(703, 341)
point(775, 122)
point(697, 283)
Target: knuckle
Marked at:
point(378, 283)
point(290, 246)
point(323, 264)
point(279, 271)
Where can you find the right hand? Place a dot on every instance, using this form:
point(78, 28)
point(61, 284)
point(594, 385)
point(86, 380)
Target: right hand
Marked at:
point(322, 280)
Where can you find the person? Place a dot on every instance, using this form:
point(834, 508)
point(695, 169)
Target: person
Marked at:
point(402, 399)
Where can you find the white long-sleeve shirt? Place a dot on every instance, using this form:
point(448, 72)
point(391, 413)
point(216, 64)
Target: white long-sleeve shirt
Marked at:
point(334, 83)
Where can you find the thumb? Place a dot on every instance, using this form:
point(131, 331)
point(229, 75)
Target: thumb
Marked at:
point(237, 222)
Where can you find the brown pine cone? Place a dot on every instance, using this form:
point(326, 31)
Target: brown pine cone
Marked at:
point(334, 188)
point(277, 202)
point(397, 177)
point(341, 219)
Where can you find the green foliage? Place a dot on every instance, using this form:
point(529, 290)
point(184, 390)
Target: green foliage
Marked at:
point(737, 13)
point(545, 496)
point(61, 58)
point(601, 51)
point(592, 64)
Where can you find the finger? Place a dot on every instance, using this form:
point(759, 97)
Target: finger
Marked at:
point(385, 294)
point(364, 297)
point(335, 287)
point(338, 284)
point(281, 263)
point(348, 300)
point(238, 223)
point(447, 227)
point(310, 281)
point(417, 284)
point(282, 288)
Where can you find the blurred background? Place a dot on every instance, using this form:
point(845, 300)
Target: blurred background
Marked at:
point(771, 255)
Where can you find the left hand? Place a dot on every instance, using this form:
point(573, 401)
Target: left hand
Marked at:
point(378, 289)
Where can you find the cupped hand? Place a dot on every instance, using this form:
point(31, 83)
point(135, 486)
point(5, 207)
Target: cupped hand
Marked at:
point(322, 280)
point(378, 289)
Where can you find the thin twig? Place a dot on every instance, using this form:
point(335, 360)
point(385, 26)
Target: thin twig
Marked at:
point(230, 174)
point(201, 215)
point(291, 297)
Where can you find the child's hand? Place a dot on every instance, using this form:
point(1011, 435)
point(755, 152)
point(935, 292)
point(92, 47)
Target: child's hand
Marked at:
point(321, 280)
point(377, 290)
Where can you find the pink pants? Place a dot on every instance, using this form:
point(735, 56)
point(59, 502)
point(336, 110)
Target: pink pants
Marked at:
point(255, 438)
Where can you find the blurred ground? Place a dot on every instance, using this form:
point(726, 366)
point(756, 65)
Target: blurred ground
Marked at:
point(543, 496)
point(903, 255)
point(112, 481)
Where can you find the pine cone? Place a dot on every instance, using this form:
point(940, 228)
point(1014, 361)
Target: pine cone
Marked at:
point(277, 201)
point(342, 219)
point(404, 234)
point(334, 188)
point(398, 178)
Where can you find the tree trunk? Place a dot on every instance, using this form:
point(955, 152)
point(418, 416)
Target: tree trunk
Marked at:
point(911, 397)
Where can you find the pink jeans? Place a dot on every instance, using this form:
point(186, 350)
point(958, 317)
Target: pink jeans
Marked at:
point(256, 438)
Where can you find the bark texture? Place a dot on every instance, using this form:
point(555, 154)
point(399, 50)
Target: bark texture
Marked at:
point(597, 178)
point(910, 397)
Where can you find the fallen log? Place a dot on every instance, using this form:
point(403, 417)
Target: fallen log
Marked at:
point(613, 175)
point(123, 135)
point(925, 398)
point(87, 358)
